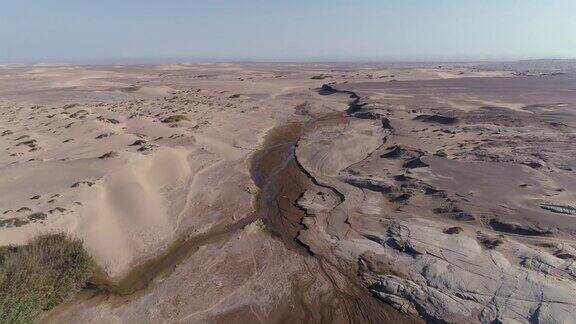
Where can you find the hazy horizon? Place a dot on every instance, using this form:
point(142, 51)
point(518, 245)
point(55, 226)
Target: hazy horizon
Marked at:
point(335, 31)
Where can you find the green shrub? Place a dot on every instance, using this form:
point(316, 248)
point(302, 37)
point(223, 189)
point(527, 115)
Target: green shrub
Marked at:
point(174, 119)
point(39, 275)
point(321, 77)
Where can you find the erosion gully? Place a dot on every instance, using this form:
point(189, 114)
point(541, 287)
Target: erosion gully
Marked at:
point(282, 181)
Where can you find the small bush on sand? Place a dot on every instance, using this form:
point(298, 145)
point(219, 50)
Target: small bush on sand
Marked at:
point(39, 275)
point(108, 155)
point(321, 77)
point(174, 119)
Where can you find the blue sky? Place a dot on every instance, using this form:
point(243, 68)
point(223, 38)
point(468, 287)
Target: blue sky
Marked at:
point(63, 30)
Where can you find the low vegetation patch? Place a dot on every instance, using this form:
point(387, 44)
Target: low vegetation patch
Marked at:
point(104, 135)
point(108, 120)
point(108, 155)
point(138, 142)
point(174, 119)
point(40, 275)
point(321, 77)
point(82, 183)
point(19, 221)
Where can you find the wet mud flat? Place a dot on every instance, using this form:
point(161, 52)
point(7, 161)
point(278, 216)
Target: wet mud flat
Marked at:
point(280, 182)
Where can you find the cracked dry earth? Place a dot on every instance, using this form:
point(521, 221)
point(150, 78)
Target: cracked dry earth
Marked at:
point(300, 192)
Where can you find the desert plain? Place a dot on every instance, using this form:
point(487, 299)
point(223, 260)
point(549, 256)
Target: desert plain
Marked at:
point(299, 192)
